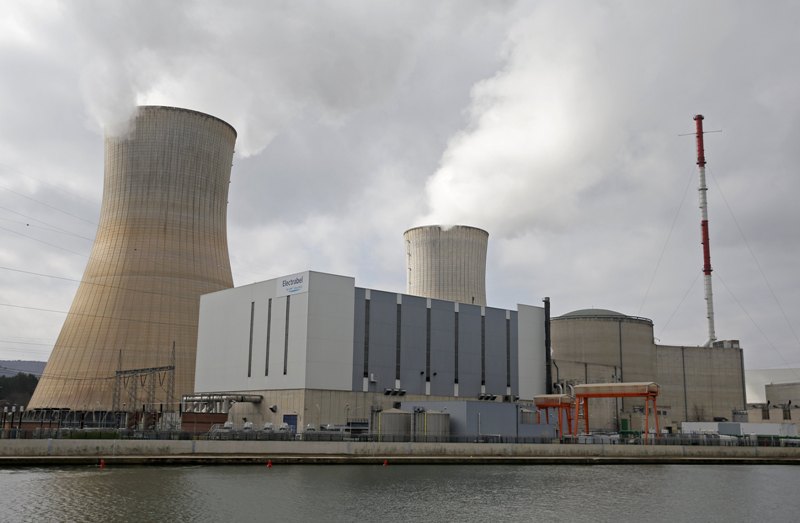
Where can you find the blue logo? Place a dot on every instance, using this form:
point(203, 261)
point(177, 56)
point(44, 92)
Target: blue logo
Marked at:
point(293, 286)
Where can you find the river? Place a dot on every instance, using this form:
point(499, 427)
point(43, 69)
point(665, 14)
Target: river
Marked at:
point(332, 493)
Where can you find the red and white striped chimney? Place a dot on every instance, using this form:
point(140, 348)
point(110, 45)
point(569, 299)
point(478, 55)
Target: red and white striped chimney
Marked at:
point(709, 295)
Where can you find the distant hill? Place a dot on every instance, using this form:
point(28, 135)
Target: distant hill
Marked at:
point(13, 367)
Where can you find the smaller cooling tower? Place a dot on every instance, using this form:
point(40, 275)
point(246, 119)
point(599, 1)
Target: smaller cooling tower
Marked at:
point(447, 263)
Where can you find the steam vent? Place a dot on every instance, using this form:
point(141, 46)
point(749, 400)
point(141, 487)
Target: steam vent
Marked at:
point(447, 263)
point(161, 243)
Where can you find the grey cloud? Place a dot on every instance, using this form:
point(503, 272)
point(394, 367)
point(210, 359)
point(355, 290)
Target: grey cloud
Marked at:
point(554, 126)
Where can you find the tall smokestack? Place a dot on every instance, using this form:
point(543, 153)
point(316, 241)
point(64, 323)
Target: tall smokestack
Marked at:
point(447, 263)
point(701, 165)
point(161, 243)
point(548, 354)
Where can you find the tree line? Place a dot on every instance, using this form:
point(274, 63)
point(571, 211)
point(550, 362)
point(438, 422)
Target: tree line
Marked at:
point(18, 389)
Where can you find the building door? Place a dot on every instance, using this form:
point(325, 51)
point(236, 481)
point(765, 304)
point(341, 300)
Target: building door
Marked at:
point(291, 420)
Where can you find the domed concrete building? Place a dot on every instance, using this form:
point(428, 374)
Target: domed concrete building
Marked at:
point(604, 346)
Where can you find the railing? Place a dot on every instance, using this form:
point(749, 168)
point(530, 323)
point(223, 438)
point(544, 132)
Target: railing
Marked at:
point(260, 435)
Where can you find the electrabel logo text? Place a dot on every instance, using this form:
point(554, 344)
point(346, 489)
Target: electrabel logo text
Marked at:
point(294, 281)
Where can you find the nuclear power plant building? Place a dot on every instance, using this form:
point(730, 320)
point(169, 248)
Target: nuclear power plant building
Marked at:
point(314, 349)
point(156, 323)
point(603, 346)
point(131, 332)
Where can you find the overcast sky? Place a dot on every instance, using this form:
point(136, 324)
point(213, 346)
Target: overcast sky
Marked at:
point(555, 126)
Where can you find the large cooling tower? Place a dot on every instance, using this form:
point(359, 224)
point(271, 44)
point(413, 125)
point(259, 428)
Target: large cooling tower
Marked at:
point(161, 243)
point(447, 263)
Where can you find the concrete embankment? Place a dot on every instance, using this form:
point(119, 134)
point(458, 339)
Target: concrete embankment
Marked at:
point(46, 452)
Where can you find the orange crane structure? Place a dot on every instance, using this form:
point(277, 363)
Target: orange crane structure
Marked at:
point(646, 390)
point(562, 403)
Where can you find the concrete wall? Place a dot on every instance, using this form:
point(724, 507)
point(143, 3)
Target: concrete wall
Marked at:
point(601, 346)
point(598, 346)
point(783, 393)
point(761, 413)
point(310, 449)
point(757, 379)
point(615, 341)
point(707, 383)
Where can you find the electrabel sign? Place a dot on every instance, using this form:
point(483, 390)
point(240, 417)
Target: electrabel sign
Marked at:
point(292, 284)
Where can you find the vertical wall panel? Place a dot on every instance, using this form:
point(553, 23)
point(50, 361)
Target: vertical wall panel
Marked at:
point(495, 351)
point(469, 350)
point(412, 350)
point(442, 348)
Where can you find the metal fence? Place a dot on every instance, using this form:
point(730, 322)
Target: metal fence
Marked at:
point(260, 435)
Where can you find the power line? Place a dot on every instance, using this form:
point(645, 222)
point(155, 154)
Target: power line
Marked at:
point(108, 286)
point(44, 242)
point(151, 322)
point(756, 325)
point(59, 188)
point(666, 242)
point(661, 333)
point(755, 259)
point(46, 226)
point(34, 373)
point(27, 343)
point(47, 205)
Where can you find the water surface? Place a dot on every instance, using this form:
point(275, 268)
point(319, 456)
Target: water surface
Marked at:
point(326, 493)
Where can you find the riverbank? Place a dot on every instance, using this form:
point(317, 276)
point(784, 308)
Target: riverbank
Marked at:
point(56, 452)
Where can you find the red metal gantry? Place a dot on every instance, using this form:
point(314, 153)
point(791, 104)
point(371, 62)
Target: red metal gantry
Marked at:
point(646, 390)
point(562, 403)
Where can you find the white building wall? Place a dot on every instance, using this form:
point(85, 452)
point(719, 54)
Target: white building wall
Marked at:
point(319, 353)
point(222, 338)
point(531, 351)
point(224, 353)
point(329, 352)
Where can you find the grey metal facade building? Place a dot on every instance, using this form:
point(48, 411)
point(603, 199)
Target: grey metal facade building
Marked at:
point(437, 347)
point(329, 349)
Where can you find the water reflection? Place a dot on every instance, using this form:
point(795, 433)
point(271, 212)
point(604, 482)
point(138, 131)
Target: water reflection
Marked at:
point(401, 493)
